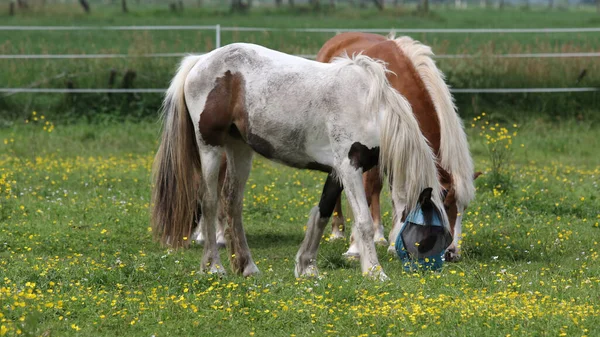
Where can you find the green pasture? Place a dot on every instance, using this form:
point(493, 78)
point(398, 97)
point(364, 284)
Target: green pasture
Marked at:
point(484, 72)
point(77, 256)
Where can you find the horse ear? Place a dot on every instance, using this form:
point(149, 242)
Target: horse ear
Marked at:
point(477, 174)
point(425, 196)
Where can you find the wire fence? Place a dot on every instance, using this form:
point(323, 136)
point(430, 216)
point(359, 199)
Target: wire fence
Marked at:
point(160, 91)
point(314, 30)
point(218, 29)
point(308, 56)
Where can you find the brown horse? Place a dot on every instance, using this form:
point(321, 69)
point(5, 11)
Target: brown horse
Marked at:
point(413, 73)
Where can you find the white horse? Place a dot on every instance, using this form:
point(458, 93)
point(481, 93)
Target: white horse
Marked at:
point(342, 118)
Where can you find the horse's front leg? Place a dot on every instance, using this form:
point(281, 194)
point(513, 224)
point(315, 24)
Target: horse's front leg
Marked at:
point(351, 175)
point(373, 186)
point(453, 251)
point(306, 264)
point(398, 206)
point(337, 223)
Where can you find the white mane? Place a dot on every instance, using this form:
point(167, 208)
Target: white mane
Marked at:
point(405, 153)
point(454, 149)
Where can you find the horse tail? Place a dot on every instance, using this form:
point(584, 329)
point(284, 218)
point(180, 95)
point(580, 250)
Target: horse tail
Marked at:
point(405, 155)
point(176, 169)
point(454, 148)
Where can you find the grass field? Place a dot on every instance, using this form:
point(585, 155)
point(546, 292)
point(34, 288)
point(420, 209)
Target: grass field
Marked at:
point(77, 256)
point(483, 72)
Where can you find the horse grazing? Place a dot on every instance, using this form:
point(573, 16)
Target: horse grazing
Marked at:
point(414, 74)
point(341, 118)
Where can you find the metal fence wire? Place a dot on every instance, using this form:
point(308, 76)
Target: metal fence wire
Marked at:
point(218, 29)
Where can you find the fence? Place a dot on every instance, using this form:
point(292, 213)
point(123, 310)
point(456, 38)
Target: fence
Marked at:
point(218, 29)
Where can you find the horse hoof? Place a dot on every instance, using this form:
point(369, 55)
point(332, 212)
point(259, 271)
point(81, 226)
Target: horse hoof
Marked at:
point(392, 250)
point(251, 270)
point(336, 236)
point(376, 273)
point(307, 272)
point(351, 256)
point(215, 269)
point(310, 272)
point(221, 244)
point(381, 242)
point(451, 256)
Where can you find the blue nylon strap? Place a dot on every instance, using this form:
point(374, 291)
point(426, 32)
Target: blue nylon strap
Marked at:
point(416, 216)
point(409, 264)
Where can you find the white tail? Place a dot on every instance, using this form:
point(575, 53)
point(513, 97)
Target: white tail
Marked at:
point(454, 148)
point(176, 167)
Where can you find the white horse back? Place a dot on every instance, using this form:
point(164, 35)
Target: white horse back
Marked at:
point(293, 104)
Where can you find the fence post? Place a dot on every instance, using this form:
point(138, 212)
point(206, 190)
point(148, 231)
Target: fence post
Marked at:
point(218, 36)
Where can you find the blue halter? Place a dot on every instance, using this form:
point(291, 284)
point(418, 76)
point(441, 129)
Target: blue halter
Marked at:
point(435, 260)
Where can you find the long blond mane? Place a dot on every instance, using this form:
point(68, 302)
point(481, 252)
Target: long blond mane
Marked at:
point(405, 155)
point(454, 151)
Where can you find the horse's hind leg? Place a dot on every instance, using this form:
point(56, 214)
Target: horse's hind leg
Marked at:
point(239, 163)
point(198, 235)
point(373, 186)
point(337, 223)
point(222, 215)
point(306, 264)
point(210, 158)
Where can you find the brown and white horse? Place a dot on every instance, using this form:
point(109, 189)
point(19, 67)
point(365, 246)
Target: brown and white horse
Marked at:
point(414, 74)
point(342, 118)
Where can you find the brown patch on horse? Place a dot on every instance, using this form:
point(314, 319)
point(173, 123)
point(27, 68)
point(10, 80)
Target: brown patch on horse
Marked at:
point(362, 157)
point(450, 197)
point(373, 186)
point(349, 42)
point(225, 107)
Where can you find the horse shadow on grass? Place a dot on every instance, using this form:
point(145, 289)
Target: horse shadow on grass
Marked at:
point(266, 241)
point(329, 256)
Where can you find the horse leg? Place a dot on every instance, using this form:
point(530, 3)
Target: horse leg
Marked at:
point(353, 251)
point(222, 216)
point(363, 223)
point(239, 163)
point(373, 186)
point(398, 206)
point(306, 264)
point(337, 223)
point(198, 235)
point(453, 252)
point(210, 158)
